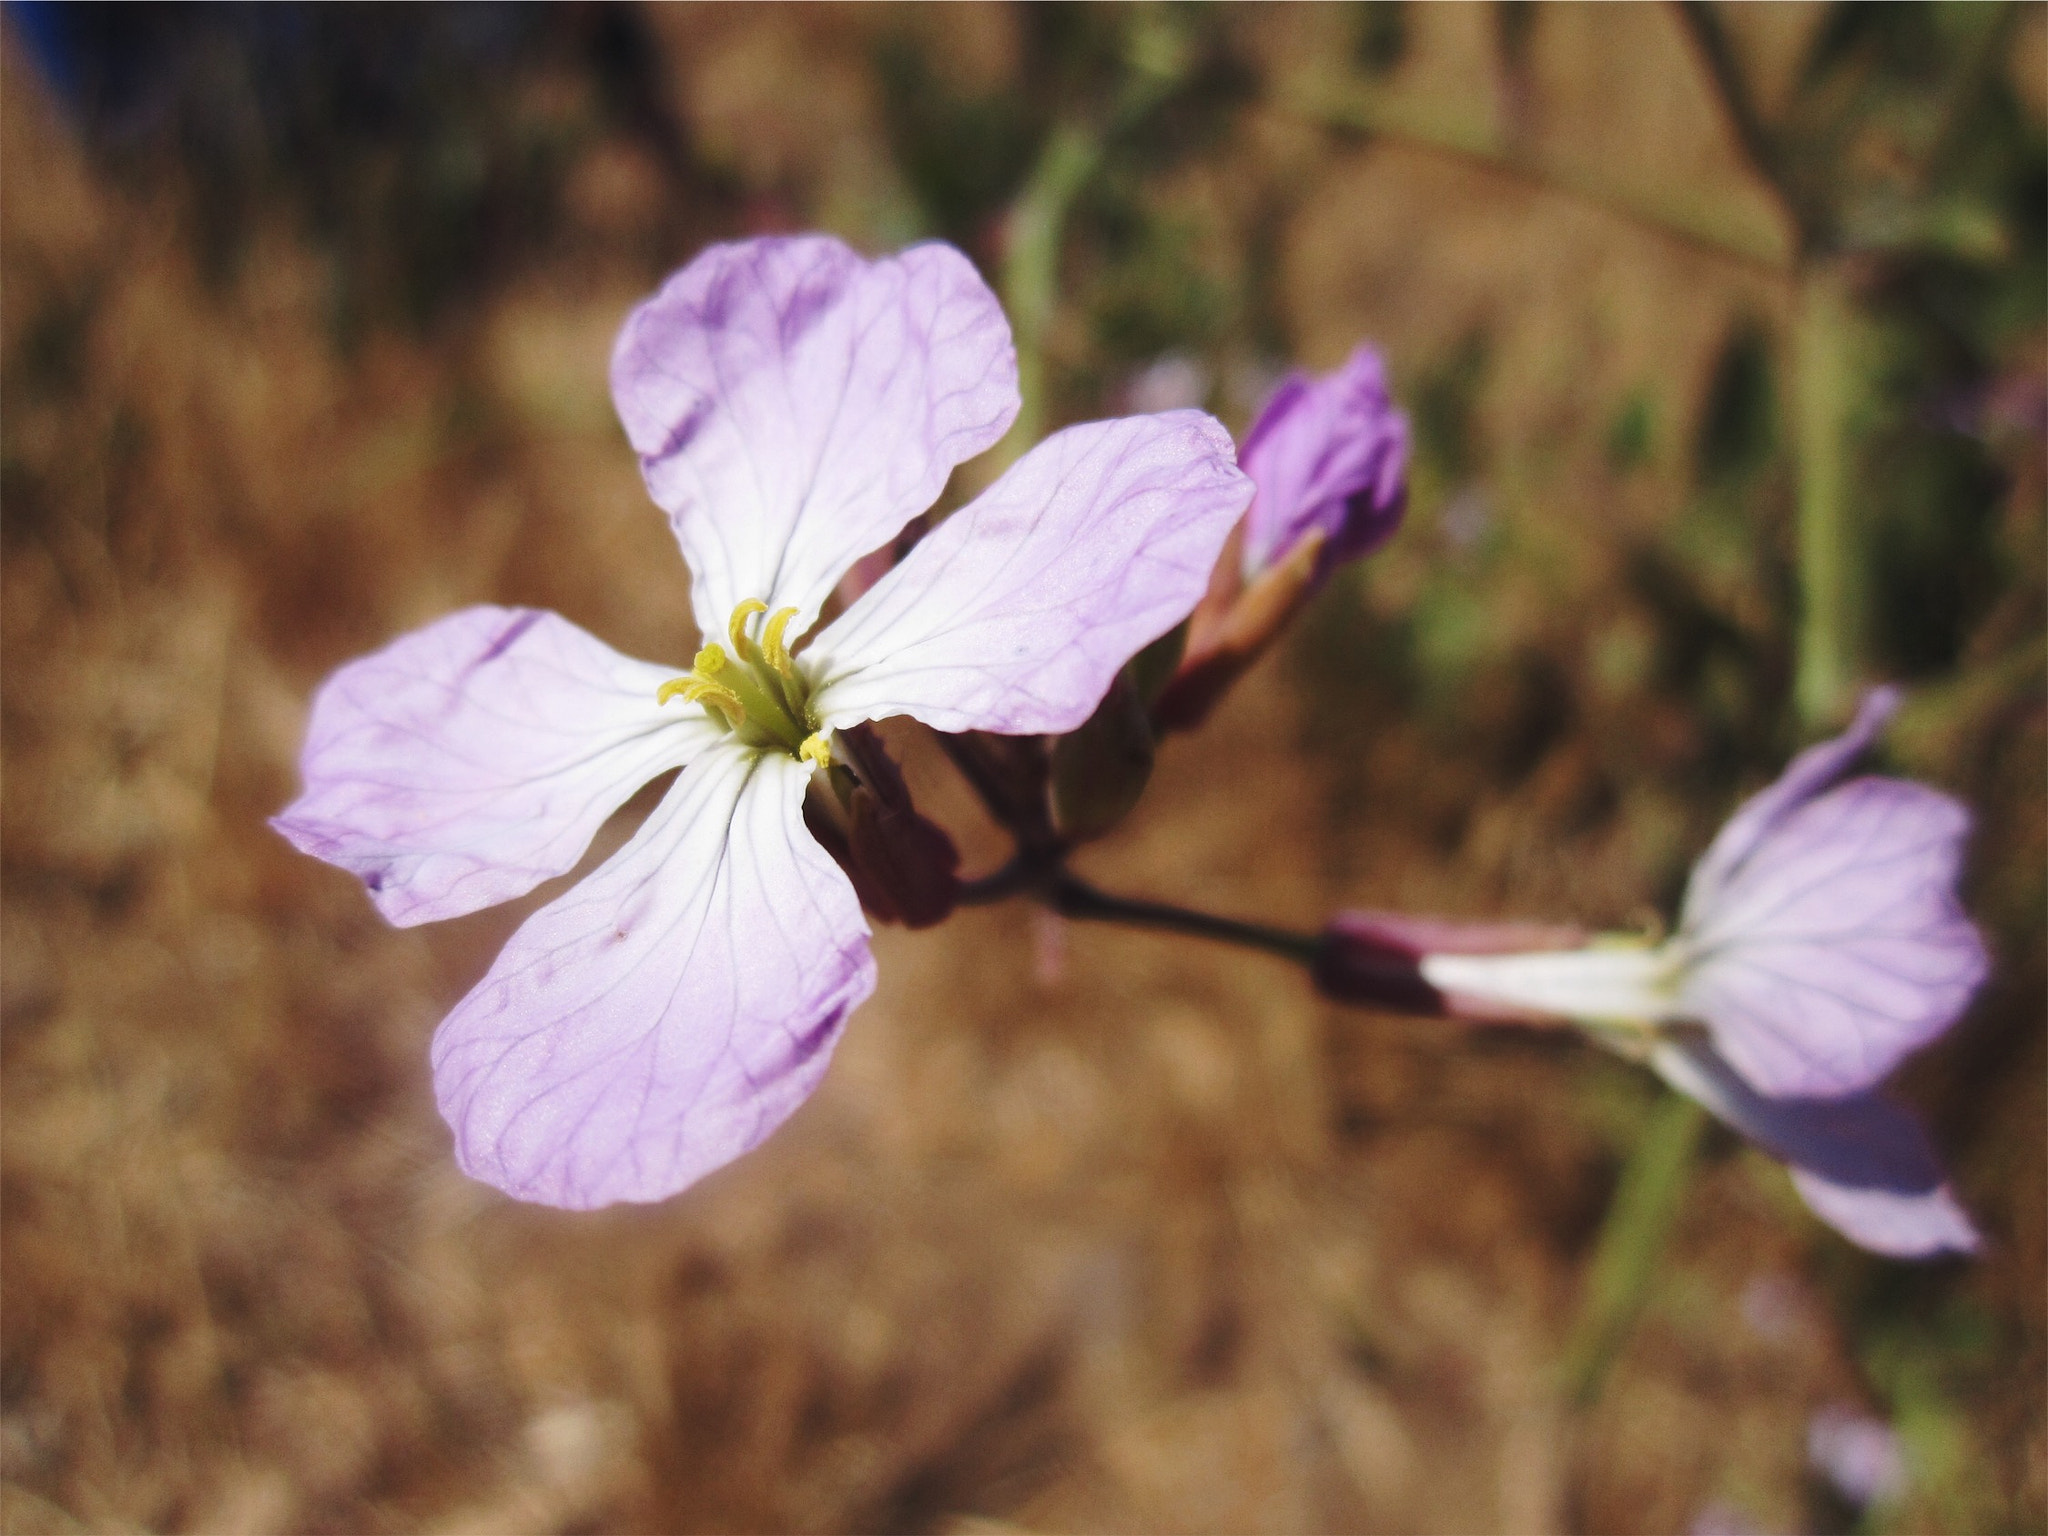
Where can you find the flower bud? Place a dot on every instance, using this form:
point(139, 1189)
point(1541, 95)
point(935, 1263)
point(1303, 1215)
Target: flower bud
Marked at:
point(1223, 642)
point(908, 859)
point(1329, 459)
point(1328, 455)
point(903, 866)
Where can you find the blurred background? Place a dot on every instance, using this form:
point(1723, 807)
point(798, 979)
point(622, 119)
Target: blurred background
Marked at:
point(1722, 333)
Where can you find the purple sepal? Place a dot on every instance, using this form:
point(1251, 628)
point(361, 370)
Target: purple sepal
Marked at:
point(1862, 1163)
point(1375, 958)
point(1329, 454)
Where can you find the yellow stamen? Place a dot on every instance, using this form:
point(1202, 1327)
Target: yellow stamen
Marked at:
point(771, 642)
point(735, 713)
point(701, 690)
point(724, 700)
point(759, 692)
point(737, 625)
point(697, 688)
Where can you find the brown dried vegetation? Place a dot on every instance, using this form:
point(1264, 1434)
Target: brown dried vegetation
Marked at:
point(1086, 1230)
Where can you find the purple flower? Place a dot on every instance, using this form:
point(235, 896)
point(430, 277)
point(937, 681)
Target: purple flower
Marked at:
point(1821, 941)
point(1860, 1455)
point(1329, 455)
point(793, 406)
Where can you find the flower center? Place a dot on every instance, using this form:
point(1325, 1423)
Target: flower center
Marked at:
point(758, 693)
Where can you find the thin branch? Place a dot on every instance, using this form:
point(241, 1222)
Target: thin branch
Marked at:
point(1018, 810)
point(1031, 267)
point(1044, 874)
point(1071, 896)
point(1633, 1239)
point(1759, 145)
point(1672, 217)
point(1024, 873)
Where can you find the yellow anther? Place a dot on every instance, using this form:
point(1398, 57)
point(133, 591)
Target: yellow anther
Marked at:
point(771, 642)
point(737, 625)
point(817, 749)
point(701, 690)
point(710, 660)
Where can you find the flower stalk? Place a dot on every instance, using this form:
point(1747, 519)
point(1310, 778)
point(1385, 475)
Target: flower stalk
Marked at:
point(1071, 896)
point(1632, 1240)
point(1828, 556)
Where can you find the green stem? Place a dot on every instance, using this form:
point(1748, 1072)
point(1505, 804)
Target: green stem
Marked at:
point(1156, 61)
point(1674, 215)
point(1829, 630)
point(1631, 1244)
point(1829, 553)
point(1031, 268)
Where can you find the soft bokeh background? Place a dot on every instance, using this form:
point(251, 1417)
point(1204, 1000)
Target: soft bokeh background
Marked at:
point(306, 316)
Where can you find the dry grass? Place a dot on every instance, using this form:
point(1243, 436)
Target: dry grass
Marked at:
point(1085, 1230)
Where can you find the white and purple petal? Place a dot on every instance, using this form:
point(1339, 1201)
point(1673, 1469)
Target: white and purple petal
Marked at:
point(1861, 1162)
point(794, 405)
point(472, 759)
point(1016, 612)
point(1838, 944)
point(669, 1012)
point(1807, 775)
point(1902, 1224)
